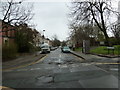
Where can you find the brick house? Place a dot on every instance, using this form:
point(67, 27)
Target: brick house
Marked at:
point(7, 33)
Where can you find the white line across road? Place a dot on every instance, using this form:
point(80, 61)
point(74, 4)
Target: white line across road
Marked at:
point(59, 60)
point(35, 68)
point(114, 69)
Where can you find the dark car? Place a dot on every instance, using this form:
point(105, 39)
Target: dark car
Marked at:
point(65, 49)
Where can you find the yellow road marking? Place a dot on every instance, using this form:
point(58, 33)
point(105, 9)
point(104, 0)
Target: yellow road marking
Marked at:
point(25, 64)
point(107, 63)
point(6, 88)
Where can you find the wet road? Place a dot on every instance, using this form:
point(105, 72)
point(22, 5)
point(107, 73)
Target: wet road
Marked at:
point(58, 70)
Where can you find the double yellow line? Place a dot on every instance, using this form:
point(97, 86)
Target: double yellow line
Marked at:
point(5, 88)
point(25, 65)
point(107, 63)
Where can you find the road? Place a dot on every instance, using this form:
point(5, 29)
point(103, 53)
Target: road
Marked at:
point(59, 70)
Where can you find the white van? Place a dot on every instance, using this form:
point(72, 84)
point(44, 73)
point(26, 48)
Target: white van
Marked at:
point(45, 48)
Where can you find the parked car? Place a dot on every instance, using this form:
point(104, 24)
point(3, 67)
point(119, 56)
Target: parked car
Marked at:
point(45, 48)
point(65, 49)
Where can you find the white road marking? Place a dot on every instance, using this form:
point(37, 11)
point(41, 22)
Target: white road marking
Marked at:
point(59, 60)
point(28, 69)
point(114, 69)
point(74, 65)
point(49, 67)
point(35, 68)
point(86, 64)
point(22, 70)
point(60, 55)
point(63, 66)
point(59, 65)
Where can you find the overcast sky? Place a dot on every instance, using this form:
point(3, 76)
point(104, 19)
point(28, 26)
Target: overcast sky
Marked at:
point(51, 17)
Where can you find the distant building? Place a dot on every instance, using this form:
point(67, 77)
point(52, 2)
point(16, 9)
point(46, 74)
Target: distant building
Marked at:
point(7, 33)
point(40, 39)
point(37, 38)
point(47, 40)
point(69, 43)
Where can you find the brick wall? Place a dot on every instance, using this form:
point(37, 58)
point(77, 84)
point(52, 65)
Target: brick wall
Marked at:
point(7, 33)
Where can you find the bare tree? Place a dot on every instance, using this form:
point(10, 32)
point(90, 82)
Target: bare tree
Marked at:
point(80, 33)
point(16, 13)
point(115, 28)
point(55, 41)
point(93, 12)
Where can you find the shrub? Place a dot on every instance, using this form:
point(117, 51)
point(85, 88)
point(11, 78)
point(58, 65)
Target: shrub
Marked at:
point(31, 48)
point(100, 50)
point(117, 48)
point(113, 41)
point(9, 51)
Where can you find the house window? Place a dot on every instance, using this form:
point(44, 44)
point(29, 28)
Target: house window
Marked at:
point(5, 40)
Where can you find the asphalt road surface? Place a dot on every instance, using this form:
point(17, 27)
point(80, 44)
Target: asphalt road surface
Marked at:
point(59, 70)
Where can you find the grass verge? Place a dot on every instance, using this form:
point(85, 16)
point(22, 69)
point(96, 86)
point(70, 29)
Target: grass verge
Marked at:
point(103, 50)
point(78, 49)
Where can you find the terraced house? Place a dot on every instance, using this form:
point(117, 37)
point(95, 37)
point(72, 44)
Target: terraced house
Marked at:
point(7, 33)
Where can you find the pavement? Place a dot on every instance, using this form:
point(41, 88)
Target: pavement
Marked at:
point(95, 58)
point(109, 64)
point(60, 70)
point(22, 60)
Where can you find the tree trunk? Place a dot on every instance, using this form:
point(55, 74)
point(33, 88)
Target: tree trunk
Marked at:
point(106, 38)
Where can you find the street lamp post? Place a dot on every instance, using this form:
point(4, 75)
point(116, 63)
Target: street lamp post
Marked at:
point(43, 32)
point(43, 36)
